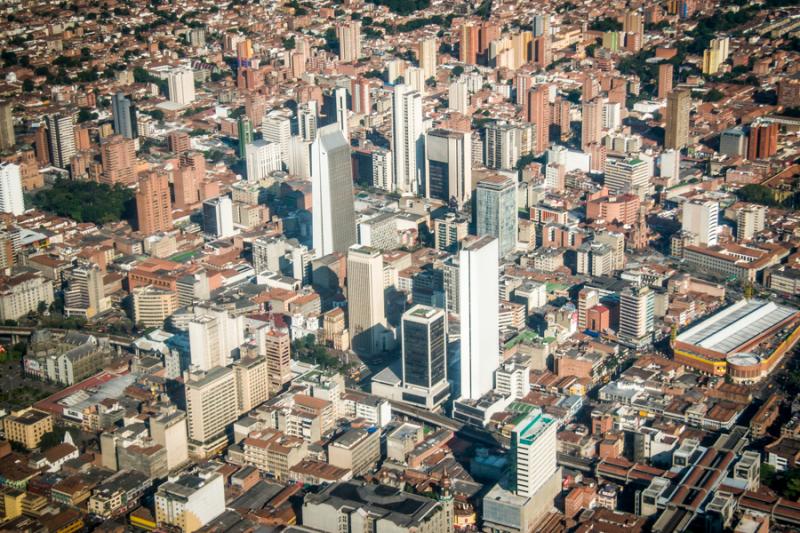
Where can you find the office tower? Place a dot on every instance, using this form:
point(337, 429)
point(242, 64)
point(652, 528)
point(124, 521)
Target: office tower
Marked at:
point(677, 130)
point(85, 296)
point(458, 97)
point(60, 139)
point(749, 221)
point(665, 73)
point(408, 141)
point(7, 139)
point(448, 166)
point(365, 305)
point(427, 57)
point(701, 218)
point(333, 222)
point(468, 44)
point(478, 309)
point(211, 409)
point(118, 156)
point(262, 157)
point(180, 82)
point(275, 346)
point(382, 169)
point(540, 25)
point(153, 204)
point(349, 35)
point(733, 142)
point(592, 122)
point(252, 382)
point(496, 211)
point(277, 127)
point(359, 90)
point(307, 121)
point(629, 175)
point(538, 115)
point(11, 200)
point(424, 355)
point(636, 314)
point(245, 132)
point(533, 450)
point(218, 217)
point(204, 343)
point(340, 95)
point(124, 114)
point(763, 142)
point(587, 298)
point(715, 55)
point(501, 146)
point(170, 431)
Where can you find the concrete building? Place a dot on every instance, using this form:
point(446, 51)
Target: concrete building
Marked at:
point(636, 315)
point(7, 137)
point(11, 200)
point(252, 382)
point(408, 140)
point(22, 293)
point(630, 175)
point(749, 221)
point(357, 450)
point(169, 429)
point(211, 409)
point(448, 166)
point(275, 345)
point(180, 82)
point(349, 35)
point(153, 203)
point(61, 139)
point(218, 217)
point(496, 211)
point(677, 128)
point(85, 295)
point(27, 426)
point(701, 218)
point(262, 157)
point(190, 501)
point(152, 305)
point(424, 356)
point(125, 117)
point(365, 309)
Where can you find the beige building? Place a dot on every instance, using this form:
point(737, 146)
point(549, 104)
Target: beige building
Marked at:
point(676, 136)
point(275, 345)
point(152, 306)
point(27, 426)
point(212, 407)
point(357, 450)
point(367, 316)
point(22, 293)
point(274, 452)
point(252, 382)
point(169, 430)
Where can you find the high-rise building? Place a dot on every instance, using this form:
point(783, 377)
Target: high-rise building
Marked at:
point(360, 95)
point(349, 35)
point(218, 217)
point(169, 430)
point(501, 148)
point(427, 57)
point(539, 115)
point(540, 24)
point(587, 298)
point(478, 309)
point(211, 409)
point(11, 199)
point(636, 314)
point(7, 138)
point(60, 139)
point(252, 382)
point(701, 218)
point(468, 44)
point(763, 142)
point(365, 305)
point(592, 122)
point(665, 73)
point(204, 343)
point(408, 140)
point(118, 156)
point(342, 114)
point(179, 142)
point(275, 345)
point(749, 221)
point(334, 223)
point(245, 132)
point(448, 166)
point(307, 121)
point(715, 55)
point(124, 115)
point(458, 97)
point(631, 175)
point(85, 297)
point(152, 305)
point(533, 450)
point(424, 356)
point(677, 130)
point(191, 501)
point(180, 82)
point(153, 203)
point(262, 157)
point(733, 142)
point(382, 169)
point(496, 211)
point(449, 232)
point(277, 127)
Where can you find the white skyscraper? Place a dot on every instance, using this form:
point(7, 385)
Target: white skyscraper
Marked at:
point(204, 343)
point(218, 217)
point(334, 221)
point(341, 111)
point(307, 120)
point(478, 296)
point(61, 138)
point(181, 85)
point(408, 140)
point(382, 169)
point(365, 309)
point(702, 218)
point(299, 163)
point(276, 126)
point(458, 97)
point(262, 158)
point(533, 445)
point(11, 200)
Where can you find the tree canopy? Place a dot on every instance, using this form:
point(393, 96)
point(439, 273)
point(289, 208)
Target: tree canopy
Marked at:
point(86, 201)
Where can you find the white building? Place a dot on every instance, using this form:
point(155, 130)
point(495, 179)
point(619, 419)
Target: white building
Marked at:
point(191, 501)
point(11, 200)
point(181, 85)
point(218, 217)
point(533, 444)
point(263, 157)
point(408, 140)
point(479, 301)
point(458, 97)
point(701, 217)
point(276, 126)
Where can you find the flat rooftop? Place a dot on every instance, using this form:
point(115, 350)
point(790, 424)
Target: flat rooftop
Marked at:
point(736, 325)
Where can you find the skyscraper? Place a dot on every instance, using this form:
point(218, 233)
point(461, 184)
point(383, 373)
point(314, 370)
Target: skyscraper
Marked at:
point(533, 450)
point(496, 211)
point(204, 343)
point(307, 121)
point(424, 356)
point(245, 131)
point(365, 305)
point(118, 155)
point(349, 35)
point(277, 127)
point(702, 219)
point(592, 122)
point(448, 165)
point(478, 309)
point(468, 44)
point(124, 114)
point(218, 217)
point(275, 345)
point(458, 97)
point(427, 57)
point(636, 314)
point(211, 406)
point(501, 146)
point(538, 114)
point(11, 200)
point(408, 140)
point(153, 204)
point(677, 131)
point(60, 139)
point(630, 175)
point(359, 89)
point(180, 82)
point(7, 138)
point(342, 114)
point(763, 142)
point(262, 157)
point(665, 73)
point(334, 224)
